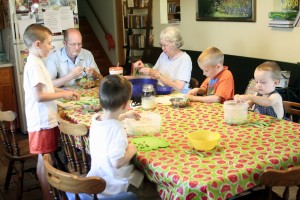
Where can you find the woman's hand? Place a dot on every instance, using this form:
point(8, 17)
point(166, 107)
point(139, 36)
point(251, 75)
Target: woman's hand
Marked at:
point(150, 72)
point(138, 64)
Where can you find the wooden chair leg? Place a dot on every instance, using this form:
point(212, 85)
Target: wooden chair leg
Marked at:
point(298, 193)
point(286, 193)
point(9, 174)
point(20, 180)
point(269, 192)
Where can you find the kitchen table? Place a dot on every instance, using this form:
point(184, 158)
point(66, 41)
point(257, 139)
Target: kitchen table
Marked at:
point(231, 168)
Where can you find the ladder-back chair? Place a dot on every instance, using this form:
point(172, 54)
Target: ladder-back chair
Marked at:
point(17, 152)
point(62, 182)
point(78, 161)
point(293, 110)
point(271, 178)
point(287, 178)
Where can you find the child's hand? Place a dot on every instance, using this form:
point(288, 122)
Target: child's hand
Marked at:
point(193, 92)
point(240, 98)
point(131, 148)
point(133, 114)
point(76, 96)
point(70, 95)
point(189, 96)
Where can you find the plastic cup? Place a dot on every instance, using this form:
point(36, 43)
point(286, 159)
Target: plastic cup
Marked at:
point(116, 70)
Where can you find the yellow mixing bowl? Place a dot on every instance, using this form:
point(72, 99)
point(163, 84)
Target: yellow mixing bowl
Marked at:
point(203, 140)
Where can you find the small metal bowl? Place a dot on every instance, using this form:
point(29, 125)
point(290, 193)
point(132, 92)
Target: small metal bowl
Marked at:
point(179, 102)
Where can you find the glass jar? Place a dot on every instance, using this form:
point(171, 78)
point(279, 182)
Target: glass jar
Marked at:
point(148, 97)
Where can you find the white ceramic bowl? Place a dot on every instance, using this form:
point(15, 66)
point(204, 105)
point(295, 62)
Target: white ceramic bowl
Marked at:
point(235, 113)
point(149, 124)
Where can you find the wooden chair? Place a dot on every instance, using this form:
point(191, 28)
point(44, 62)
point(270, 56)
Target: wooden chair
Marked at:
point(292, 109)
point(271, 178)
point(62, 182)
point(251, 87)
point(78, 161)
point(194, 83)
point(16, 151)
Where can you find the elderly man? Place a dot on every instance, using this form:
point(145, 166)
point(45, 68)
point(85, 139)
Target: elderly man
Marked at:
point(72, 61)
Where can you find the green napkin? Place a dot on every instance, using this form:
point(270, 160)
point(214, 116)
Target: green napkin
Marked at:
point(149, 143)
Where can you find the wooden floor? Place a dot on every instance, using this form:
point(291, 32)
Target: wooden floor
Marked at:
point(30, 182)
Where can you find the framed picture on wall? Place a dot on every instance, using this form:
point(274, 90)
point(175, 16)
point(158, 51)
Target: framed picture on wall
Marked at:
point(226, 10)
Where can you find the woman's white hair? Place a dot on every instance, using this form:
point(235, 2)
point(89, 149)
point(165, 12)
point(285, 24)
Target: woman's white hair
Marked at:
point(172, 34)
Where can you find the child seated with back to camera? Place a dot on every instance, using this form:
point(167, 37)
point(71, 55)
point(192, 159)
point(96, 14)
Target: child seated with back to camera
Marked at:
point(219, 84)
point(109, 147)
point(267, 100)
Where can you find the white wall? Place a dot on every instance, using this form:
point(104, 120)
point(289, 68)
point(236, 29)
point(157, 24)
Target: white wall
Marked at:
point(251, 39)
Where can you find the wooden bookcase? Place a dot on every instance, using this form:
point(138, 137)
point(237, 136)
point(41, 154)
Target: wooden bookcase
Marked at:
point(173, 7)
point(137, 15)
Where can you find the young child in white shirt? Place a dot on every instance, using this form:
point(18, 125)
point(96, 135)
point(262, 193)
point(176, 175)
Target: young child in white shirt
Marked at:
point(40, 107)
point(109, 147)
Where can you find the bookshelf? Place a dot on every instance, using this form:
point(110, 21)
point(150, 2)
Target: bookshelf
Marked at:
point(137, 15)
point(173, 7)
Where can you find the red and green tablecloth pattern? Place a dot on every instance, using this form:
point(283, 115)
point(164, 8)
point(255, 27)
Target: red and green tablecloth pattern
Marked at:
point(232, 167)
point(92, 92)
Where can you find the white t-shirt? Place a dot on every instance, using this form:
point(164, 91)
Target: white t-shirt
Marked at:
point(179, 68)
point(108, 142)
point(39, 115)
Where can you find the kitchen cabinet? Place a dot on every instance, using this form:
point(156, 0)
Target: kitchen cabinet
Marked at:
point(137, 15)
point(8, 96)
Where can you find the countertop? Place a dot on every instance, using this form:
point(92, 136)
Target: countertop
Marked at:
point(5, 64)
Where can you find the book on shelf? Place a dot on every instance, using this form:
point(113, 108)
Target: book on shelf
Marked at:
point(136, 21)
point(283, 15)
point(281, 22)
point(281, 25)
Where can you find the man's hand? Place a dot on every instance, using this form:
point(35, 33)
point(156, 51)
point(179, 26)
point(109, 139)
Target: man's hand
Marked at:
point(76, 72)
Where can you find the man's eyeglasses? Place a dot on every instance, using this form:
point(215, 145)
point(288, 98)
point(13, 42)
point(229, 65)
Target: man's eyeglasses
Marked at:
point(73, 45)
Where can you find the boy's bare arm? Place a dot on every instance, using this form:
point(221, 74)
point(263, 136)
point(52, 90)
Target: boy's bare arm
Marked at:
point(41, 96)
point(205, 99)
point(260, 100)
point(197, 91)
point(130, 152)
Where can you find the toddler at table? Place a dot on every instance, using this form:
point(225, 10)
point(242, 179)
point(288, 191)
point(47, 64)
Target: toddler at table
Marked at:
point(40, 107)
point(219, 84)
point(109, 148)
point(267, 100)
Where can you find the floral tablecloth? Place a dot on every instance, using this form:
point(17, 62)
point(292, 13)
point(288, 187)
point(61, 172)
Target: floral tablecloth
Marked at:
point(232, 167)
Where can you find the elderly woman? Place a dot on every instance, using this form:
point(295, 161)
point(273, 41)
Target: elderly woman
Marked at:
point(173, 67)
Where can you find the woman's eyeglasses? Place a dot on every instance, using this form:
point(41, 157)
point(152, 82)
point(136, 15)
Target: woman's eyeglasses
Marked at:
point(164, 45)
